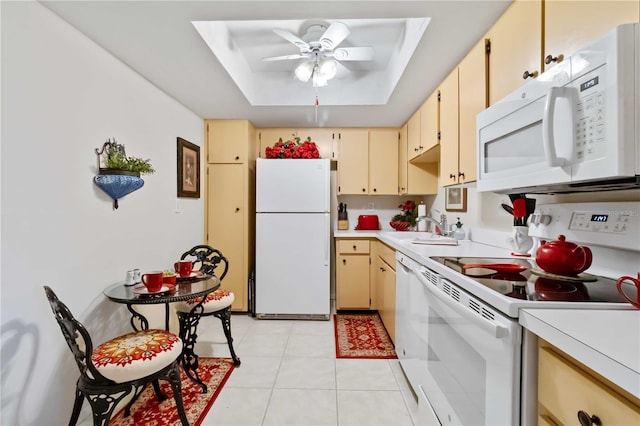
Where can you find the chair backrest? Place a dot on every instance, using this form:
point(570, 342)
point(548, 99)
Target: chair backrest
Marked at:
point(207, 260)
point(77, 337)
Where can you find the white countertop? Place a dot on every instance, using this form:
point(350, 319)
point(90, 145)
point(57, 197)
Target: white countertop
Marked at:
point(607, 341)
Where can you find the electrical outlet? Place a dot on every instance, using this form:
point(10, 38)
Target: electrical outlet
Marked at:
point(370, 206)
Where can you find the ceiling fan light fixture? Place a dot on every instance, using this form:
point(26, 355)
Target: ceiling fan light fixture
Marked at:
point(319, 80)
point(304, 71)
point(328, 68)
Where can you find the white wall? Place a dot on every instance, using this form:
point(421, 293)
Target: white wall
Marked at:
point(62, 97)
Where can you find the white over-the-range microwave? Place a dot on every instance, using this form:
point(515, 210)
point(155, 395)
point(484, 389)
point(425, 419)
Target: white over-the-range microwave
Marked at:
point(574, 128)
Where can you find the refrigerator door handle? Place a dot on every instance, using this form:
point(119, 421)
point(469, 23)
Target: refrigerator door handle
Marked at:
point(327, 249)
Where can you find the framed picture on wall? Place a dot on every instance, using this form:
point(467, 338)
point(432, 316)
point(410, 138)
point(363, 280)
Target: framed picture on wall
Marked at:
point(188, 169)
point(455, 199)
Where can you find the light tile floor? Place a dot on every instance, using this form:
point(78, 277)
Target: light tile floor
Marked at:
point(290, 376)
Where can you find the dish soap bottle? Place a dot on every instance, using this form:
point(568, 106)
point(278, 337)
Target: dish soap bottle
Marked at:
point(458, 232)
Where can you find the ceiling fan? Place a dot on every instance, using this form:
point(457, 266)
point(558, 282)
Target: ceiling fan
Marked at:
point(319, 46)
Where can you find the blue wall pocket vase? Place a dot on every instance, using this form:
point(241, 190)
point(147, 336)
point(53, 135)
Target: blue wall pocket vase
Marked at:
point(117, 186)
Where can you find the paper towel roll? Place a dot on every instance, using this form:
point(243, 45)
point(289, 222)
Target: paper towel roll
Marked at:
point(422, 210)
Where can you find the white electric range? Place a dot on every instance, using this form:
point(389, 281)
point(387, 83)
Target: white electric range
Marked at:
point(468, 359)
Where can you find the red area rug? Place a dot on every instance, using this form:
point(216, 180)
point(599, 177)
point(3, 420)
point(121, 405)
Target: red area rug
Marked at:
point(214, 372)
point(362, 336)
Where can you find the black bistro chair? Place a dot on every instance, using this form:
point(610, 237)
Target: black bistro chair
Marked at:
point(207, 260)
point(108, 375)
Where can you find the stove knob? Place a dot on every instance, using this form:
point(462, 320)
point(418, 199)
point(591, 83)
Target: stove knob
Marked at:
point(586, 420)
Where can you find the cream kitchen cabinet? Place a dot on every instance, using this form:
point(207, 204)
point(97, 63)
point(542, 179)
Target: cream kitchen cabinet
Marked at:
point(414, 178)
point(516, 46)
point(352, 273)
point(230, 202)
point(383, 284)
point(227, 141)
point(568, 389)
point(570, 25)
point(368, 162)
point(268, 137)
point(430, 123)
point(324, 138)
point(463, 94)
point(449, 129)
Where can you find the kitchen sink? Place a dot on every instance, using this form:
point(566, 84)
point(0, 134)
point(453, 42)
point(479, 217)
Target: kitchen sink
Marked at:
point(417, 237)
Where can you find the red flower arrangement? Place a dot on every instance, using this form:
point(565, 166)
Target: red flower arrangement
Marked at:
point(293, 149)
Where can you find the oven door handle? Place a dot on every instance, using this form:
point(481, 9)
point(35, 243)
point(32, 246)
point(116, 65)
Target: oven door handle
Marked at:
point(493, 329)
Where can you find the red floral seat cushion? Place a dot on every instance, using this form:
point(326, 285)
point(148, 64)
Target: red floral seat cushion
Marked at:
point(137, 354)
point(215, 301)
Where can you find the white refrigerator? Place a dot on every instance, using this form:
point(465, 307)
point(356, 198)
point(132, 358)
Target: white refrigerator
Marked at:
point(293, 236)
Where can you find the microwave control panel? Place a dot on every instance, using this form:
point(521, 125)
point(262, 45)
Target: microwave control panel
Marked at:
point(590, 116)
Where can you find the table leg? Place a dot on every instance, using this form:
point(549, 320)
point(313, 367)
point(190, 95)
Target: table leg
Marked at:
point(138, 320)
point(188, 333)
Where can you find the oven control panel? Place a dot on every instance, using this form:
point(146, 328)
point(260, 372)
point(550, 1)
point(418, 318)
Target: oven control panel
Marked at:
point(614, 224)
point(617, 222)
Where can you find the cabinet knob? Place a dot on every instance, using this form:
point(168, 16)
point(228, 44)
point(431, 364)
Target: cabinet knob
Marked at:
point(382, 269)
point(528, 74)
point(364, 189)
point(586, 420)
point(452, 176)
point(415, 149)
point(375, 190)
point(344, 261)
point(548, 59)
point(460, 174)
point(237, 158)
point(354, 247)
point(237, 209)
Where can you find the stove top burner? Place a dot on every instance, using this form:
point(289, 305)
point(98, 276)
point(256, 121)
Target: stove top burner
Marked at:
point(534, 284)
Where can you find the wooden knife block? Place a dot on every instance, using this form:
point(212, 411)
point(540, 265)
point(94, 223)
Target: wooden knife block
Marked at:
point(343, 225)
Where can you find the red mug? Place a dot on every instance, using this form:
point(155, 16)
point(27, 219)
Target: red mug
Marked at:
point(153, 281)
point(183, 268)
point(635, 282)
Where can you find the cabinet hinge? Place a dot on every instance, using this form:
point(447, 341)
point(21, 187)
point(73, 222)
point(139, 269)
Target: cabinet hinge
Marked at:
point(369, 260)
point(438, 135)
point(439, 97)
point(487, 46)
point(338, 188)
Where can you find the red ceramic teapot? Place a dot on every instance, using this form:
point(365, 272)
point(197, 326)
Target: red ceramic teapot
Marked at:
point(562, 257)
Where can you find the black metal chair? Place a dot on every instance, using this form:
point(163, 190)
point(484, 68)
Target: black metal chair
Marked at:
point(206, 259)
point(108, 374)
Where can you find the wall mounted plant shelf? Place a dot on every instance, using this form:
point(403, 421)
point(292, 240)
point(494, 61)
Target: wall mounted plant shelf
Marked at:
point(119, 175)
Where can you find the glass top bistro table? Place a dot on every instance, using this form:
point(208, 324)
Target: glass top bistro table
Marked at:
point(185, 289)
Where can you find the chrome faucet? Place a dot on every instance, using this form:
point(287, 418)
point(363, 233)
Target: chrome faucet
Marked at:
point(442, 225)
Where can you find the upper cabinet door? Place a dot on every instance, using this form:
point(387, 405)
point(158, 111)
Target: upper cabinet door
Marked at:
point(429, 120)
point(570, 25)
point(403, 161)
point(449, 129)
point(516, 48)
point(324, 139)
point(227, 141)
point(383, 161)
point(353, 166)
point(414, 147)
point(472, 77)
point(268, 138)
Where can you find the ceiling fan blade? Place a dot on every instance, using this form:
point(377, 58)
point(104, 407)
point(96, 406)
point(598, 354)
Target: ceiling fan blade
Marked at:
point(286, 57)
point(301, 44)
point(353, 53)
point(335, 34)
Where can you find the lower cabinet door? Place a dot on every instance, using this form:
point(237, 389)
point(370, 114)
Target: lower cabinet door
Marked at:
point(353, 282)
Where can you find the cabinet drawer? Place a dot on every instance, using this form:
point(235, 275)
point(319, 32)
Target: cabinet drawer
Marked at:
point(564, 389)
point(387, 254)
point(353, 246)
